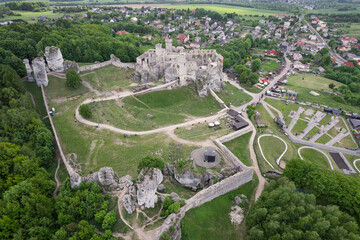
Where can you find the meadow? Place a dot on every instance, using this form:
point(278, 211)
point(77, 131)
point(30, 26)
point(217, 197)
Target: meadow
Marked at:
point(240, 148)
point(233, 96)
point(304, 83)
point(222, 9)
point(154, 110)
point(199, 223)
point(310, 155)
point(97, 148)
point(31, 17)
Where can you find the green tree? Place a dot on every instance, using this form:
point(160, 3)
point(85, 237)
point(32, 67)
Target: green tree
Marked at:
point(73, 80)
point(256, 65)
point(85, 111)
point(151, 162)
point(109, 220)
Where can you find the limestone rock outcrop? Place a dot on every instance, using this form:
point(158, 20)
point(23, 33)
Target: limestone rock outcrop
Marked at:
point(54, 59)
point(129, 203)
point(170, 74)
point(209, 78)
point(38, 65)
point(29, 70)
point(69, 64)
point(105, 177)
point(188, 179)
point(148, 181)
point(115, 61)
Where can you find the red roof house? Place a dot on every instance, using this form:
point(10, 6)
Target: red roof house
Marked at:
point(299, 43)
point(271, 52)
point(122, 32)
point(351, 64)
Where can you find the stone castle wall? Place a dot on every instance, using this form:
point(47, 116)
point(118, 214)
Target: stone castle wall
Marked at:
point(227, 185)
point(113, 61)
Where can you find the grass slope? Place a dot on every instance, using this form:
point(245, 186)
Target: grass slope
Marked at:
point(167, 107)
point(211, 220)
point(231, 94)
point(108, 78)
point(240, 148)
point(311, 155)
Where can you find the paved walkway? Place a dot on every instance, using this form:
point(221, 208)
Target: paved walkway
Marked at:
point(355, 161)
point(337, 138)
point(325, 129)
point(296, 118)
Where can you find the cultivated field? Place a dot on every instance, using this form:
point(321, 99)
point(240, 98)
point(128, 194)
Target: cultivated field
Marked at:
point(226, 9)
point(31, 17)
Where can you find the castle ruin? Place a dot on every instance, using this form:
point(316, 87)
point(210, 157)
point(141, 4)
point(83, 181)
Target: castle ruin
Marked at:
point(204, 67)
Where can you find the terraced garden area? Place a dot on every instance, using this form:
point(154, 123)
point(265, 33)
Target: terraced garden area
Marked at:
point(154, 110)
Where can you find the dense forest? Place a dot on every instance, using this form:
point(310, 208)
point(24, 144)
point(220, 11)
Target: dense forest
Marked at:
point(29, 6)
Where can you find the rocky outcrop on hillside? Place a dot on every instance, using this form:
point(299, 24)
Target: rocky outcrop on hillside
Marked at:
point(209, 78)
point(188, 179)
point(54, 59)
point(29, 70)
point(148, 181)
point(38, 65)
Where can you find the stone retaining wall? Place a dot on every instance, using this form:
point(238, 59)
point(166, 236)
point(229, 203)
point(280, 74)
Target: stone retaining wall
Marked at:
point(74, 177)
point(104, 64)
point(227, 185)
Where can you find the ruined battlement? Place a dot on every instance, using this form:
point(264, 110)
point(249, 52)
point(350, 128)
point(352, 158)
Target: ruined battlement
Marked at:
point(204, 67)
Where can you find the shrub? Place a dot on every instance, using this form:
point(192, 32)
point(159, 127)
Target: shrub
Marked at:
point(150, 162)
point(73, 80)
point(85, 111)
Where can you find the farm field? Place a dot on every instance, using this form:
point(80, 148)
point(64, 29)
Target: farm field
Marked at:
point(226, 9)
point(199, 223)
point(330, 11)
point(99, 148)
point(154, 110)
point(201, 131)
point(348, 28)
point(319, 84)
point(109, 78)
point(231, 94)
point(240, 148)
point(31, 17)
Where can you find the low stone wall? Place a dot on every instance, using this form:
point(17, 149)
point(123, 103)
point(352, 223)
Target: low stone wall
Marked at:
point(222, 104)
point(104, 64)
point(74, 177)
point(227, 185)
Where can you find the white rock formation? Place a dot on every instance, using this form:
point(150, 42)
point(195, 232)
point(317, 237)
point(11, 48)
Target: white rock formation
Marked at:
point(29, 70)
point(54, 59)
point(105, 177)
point(236, 215)
point(129, 203)
point(188, 179)
point(38, 65)
point(209, 78)
point(115, 61)
point(148, 182)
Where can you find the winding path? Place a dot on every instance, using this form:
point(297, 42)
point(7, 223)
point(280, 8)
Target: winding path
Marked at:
point(355, 161)
point(307, 147)
point(261, 151)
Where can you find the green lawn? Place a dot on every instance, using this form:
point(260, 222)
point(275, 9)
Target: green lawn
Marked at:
point(231, 94)
point(319, 84)
point(58, 92)
point(211, 220)
point(323, 139)
point(31, 17)
point(311, 155)
point(312, 132)
point(272, 148)
point(269, 66)
point(166, 107)
point(240, 148)
point(250, 88)
point(102, 148)
point(201, 131)
point(325, 120)
point(283, 107)
point(226, 9)
point(346, 142)
point(299, 126)
point(109, 78)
